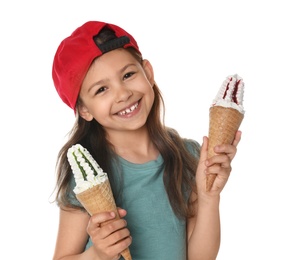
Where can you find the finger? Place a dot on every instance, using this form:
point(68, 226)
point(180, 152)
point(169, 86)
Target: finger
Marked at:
point(237, 138)
point(121, 212)
point(117, 257)
point(219, 169)
point(227, 149)
point(200, 174)
point(220, 160)
point(122, 244)
point(114, 236)
point(101, 225)
point(112, 226)
point(97, 219)
point(120, 235)
point(203, 156)
point(204, 149)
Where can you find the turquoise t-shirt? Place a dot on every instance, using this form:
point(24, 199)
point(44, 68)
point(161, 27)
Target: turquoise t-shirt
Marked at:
point(156, 232)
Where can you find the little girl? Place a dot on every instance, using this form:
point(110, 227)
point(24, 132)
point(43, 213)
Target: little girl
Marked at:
point(158, 178)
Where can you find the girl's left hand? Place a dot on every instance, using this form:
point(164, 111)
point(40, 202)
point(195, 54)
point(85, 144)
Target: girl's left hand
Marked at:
point(219, 164)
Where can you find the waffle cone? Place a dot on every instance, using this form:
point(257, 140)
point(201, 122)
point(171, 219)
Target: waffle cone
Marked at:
point(223, 125)
point(100, 199)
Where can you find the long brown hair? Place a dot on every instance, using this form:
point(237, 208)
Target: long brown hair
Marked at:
point(179, 164)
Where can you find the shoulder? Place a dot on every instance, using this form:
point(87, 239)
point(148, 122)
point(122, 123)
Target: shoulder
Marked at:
point(192, 146)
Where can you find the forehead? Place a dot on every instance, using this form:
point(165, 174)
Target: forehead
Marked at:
point(114, 59)
point(108, 65)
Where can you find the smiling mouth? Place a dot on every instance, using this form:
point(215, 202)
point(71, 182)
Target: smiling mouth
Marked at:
point(128, 110)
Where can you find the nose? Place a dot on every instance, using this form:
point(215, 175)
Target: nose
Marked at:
point(122, 93)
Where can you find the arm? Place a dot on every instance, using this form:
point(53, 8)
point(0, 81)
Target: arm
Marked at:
point(203, 230)
point(72, 235)
point(74, 229)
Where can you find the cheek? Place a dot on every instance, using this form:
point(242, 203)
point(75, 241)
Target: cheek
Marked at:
point(151, 98)
point(100, 110)
point(151, 92)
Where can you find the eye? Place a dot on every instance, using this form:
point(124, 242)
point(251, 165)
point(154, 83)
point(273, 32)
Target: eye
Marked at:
point(128, 75)
point(100, 90)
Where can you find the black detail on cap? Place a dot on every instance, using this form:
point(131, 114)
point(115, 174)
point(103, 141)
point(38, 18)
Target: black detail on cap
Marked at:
point(112, 44)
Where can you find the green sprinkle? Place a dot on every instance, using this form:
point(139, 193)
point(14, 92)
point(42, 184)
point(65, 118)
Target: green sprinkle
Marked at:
point(89, 163)
point(80, 167)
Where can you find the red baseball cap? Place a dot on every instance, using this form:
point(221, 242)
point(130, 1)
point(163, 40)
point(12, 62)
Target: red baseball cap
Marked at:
point(76, 53)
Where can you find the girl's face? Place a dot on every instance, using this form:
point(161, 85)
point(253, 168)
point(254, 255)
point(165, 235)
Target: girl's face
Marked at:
point(117, 91)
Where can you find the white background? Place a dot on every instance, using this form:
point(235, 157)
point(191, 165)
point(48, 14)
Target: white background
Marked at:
point(193, 46)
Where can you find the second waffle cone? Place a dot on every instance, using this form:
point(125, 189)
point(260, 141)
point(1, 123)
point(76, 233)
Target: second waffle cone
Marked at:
point(98, 199)
point(223, 125)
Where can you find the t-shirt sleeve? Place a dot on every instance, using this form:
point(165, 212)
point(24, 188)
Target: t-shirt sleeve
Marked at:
point(71, 195)
point(193, 147)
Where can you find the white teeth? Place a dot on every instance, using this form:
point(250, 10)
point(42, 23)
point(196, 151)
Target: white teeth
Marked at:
point(128, 110)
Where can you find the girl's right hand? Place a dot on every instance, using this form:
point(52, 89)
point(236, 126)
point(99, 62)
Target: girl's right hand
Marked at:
point(109, 238)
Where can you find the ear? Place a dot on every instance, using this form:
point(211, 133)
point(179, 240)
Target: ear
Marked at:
point(149, 71)
point(84, 113)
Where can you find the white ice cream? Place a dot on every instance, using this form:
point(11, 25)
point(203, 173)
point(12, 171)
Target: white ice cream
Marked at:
point(231, 93)
point(87, 172)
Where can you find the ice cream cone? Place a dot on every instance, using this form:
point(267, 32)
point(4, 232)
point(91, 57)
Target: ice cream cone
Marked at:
point(223, 125)
point(100, 198)
point(93, 188)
